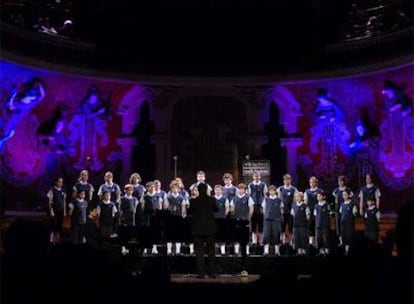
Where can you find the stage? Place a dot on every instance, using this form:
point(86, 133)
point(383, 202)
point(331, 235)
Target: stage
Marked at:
point(284, 279)
point(221, 279)
point(113, 276)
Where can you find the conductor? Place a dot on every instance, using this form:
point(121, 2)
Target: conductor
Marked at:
point(203, 228)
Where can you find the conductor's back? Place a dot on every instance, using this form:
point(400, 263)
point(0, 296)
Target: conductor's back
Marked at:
point(201, 210)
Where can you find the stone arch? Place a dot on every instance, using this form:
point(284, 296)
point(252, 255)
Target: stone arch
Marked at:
point(289, 108)
point(289, 111)
point(130, 106)
point(223, 141)
point(185, 93)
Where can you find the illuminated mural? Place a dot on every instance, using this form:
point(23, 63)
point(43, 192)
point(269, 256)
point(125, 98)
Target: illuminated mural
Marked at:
point(18, 133)
point(330, 130)
point(396, 149)
point(18, 104)
point(88, 128)
point(55, 124)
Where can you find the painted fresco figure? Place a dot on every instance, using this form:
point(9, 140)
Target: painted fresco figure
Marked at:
point(18, 104)
point(395, 99)
point(363, 138)
point(397, 136)
point(89, 128)
point(330, 125)
point(328, 135)
point(52, 132)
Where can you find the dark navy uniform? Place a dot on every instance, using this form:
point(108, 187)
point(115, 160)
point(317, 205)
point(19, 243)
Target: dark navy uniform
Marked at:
point(58, 197)
point(175, 221)
point(322, 224)
point(348, 211)
point(287, 195)
point(107, 212)
point(272, 227)
point(311, 200)
point(78, 220)
point(372, 217)
point(300, 215)
point(257, 191)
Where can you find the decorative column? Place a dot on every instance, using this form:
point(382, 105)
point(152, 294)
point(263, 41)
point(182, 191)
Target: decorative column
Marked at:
point(126, 144)
point(291, 144)
point(162, 96)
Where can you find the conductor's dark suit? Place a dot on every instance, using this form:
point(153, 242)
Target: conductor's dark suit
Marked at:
point(203, 228)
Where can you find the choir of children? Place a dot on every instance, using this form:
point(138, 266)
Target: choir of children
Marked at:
point(273, 216)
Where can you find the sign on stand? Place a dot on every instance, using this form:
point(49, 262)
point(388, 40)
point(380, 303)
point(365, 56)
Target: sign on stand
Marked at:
point(261, 165)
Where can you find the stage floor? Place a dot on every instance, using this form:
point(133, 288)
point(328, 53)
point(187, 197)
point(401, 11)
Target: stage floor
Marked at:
point(221, 279)
point(155, 278)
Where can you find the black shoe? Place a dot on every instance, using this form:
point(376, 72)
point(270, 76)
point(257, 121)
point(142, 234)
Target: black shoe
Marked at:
point(213, 276)
point(201, 276)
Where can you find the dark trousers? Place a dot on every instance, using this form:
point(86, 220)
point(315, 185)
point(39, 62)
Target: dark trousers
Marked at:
point(241, 235)
point(287, 223)
point(78, 233)
point(372, 234)
point(322, 237)
point(271, 232)
point(56, 222)
point(105, 231)
point(199, 241)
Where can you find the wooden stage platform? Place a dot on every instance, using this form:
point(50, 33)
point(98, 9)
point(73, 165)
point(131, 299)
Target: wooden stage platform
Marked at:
point(222, 279)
